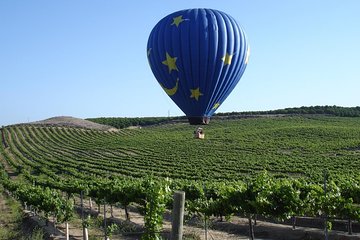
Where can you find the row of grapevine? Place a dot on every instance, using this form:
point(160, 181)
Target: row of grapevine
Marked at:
point(44, 196)
point(45, 201)
point(264, 195)
point(217, 174)
point(301, 151)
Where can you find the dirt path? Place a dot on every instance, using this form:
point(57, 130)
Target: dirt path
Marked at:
point(135, 227)
point(237, 228)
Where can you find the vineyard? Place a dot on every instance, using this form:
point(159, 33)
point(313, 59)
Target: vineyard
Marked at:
point(274, 167)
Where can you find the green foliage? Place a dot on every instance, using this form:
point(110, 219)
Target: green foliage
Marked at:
point(119, 122)
point(45, 200)
point(282, 200)
point(268, 166)
point(232, 150)
point(157, 193)
point(111, 229)
point(10, 218)
point(86, 223)
point(329, 110)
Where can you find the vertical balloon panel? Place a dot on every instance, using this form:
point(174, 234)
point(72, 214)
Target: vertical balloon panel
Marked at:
point(198, 56)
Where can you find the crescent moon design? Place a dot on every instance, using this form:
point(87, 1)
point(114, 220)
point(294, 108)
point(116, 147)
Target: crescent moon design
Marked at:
point(171, 91)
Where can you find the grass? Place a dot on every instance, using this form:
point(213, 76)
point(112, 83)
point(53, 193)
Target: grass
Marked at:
point(36, 234)
point(10, 218)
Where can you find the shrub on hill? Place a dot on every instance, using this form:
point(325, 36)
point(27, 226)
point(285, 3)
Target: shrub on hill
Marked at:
point(124, 122)
point(330, 110)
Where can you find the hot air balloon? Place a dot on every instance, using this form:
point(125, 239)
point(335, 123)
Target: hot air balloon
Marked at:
point(198, 56)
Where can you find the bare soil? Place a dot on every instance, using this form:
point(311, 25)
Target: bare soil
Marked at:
point(237, 228)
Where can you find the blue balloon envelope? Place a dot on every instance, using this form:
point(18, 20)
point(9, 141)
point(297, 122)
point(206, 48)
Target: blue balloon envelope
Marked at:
point(198, 56)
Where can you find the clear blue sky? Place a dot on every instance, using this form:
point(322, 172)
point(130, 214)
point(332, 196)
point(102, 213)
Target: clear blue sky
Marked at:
point(87, 58)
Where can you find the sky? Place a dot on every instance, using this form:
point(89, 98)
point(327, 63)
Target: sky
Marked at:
point(87, 58)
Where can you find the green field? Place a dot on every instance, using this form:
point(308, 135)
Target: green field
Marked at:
point(232, 149)
point(268, 165)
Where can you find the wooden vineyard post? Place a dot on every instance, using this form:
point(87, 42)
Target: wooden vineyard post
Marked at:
point(82, 205)
point(67, 231)
point(105, 227)
point(206, 227)
point(90, 203)
point(82, 212)
point(325, 218)
point(85, 227)
point(251, 228)
point(86, 234)
point(178, 215)
point(349, 227)
point(293, 222)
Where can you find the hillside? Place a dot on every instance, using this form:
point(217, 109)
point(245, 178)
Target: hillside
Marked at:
point(232, 149)
point(65, 121)
point(278, 163)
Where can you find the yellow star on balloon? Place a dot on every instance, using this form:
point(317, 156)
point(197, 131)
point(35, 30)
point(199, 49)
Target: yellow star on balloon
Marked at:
point(227, 59)
point(195, 93)
point(177, 20)
point(170, 62)
point(216, 105)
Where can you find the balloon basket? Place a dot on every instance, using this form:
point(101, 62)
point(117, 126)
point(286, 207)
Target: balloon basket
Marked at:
point(199, 133)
